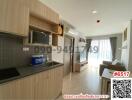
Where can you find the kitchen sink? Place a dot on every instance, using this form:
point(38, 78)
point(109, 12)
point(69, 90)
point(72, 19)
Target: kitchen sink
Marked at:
point(8, 73)
point(51, 63)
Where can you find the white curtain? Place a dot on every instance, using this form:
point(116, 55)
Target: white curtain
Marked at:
point(100, 50)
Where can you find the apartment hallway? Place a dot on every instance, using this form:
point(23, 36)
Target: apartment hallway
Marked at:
point(86, 82)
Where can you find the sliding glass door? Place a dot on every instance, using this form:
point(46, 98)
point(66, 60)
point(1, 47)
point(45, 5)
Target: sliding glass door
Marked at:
point(100, 50)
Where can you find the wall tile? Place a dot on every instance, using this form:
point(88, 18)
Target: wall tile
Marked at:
point(12, 54)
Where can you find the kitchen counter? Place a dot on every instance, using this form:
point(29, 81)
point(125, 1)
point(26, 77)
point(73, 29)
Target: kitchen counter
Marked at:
point(30, 70)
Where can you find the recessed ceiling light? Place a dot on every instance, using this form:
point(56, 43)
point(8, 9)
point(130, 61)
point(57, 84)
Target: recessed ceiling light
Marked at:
point(98, 21)
point(94, 12)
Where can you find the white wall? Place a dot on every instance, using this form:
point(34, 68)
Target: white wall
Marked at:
point(130, 47)
point(57, 54)
point(124, 57)
point(118, 47)
point(126, 53)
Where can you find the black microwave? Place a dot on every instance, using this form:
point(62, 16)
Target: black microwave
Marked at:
point(39, 37)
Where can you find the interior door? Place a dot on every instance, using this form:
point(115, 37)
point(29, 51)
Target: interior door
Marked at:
point(67, 55)
point(72, 53)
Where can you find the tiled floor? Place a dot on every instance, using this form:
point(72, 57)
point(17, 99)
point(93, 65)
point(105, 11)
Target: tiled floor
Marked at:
point(87, 81)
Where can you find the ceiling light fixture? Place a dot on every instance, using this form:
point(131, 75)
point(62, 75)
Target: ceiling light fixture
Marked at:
point(94, 12)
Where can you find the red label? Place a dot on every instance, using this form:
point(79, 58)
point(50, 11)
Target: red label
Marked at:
point(121, 73)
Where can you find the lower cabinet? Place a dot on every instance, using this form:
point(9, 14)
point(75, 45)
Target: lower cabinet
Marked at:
point(22, 89)
point(45, 85)
point(55, 82)
point(41, 88)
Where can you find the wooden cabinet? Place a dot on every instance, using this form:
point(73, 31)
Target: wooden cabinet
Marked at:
point(77, 67)
point(43, 11)
point(48, 85)
point(45, 85)
point(55, 82)
point(42, 86)
point(14, 17)
point(41, 24)
point(21, 89)
point(40, 10)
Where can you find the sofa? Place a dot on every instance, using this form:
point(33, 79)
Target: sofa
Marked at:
point(111, 65)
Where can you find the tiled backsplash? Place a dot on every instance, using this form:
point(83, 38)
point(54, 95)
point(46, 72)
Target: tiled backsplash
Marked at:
point(12, 54)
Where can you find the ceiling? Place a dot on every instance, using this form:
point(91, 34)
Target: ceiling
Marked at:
point(113, 14)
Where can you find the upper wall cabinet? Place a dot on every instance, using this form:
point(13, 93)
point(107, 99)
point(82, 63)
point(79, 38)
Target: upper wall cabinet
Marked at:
point(14, 17)
point(40, 10)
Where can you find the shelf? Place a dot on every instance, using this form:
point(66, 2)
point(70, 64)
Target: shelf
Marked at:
point(54, 40)
point(38, 44)
point(39, 28)
point(42, 25)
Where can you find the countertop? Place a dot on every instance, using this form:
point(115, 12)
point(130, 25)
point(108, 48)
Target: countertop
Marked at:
point(30, 70)
point(107, 73)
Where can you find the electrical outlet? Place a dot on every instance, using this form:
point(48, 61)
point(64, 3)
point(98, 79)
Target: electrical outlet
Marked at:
point(25, 49)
